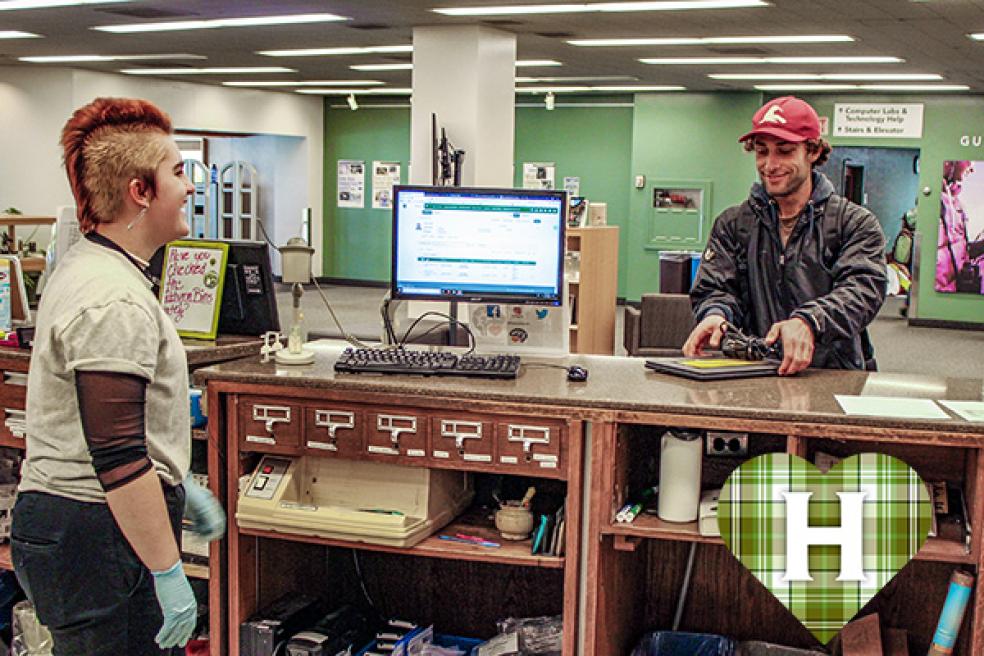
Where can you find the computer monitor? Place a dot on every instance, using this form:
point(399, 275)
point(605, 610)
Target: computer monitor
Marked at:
point(478, 245)
point(249, 299)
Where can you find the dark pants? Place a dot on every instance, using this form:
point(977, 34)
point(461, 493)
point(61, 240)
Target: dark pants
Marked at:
point(83, 577)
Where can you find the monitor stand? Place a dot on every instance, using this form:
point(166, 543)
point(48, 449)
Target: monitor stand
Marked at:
point(453, 323)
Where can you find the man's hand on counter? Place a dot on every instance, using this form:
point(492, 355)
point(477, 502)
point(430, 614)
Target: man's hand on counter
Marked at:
point(797, 344)
point(707, 333)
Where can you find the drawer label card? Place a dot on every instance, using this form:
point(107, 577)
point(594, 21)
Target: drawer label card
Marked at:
point(442, 454)
point(385, 450)
point(509, 460)
point(416, 453)
point(866, 518)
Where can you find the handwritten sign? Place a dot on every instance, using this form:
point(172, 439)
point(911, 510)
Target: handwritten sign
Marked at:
point(191, 286)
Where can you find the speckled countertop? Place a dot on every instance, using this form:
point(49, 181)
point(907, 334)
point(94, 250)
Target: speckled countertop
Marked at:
point(199, 351)
point(624, 384)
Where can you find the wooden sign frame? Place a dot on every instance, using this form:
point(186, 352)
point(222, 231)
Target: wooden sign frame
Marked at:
point(176, 298)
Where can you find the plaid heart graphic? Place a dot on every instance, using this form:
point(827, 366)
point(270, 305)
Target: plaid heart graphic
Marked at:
point(894, 522)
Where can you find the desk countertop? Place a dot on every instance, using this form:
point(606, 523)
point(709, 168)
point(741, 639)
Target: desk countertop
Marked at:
point(624, 384)
point(199, 351)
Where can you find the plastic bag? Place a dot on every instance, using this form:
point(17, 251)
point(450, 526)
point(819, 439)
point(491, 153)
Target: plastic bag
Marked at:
point(678, 643)
point(537, 635)
point(31, 638)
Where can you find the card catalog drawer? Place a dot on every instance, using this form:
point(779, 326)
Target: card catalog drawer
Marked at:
point(530, 444)
point(464, 440)
point(333, 429)
point(270, 425)
point(399, 433)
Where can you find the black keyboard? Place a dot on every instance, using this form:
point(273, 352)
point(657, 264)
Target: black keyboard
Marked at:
point(426, 363)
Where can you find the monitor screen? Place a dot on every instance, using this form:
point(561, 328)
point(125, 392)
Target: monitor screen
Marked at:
point(478, 245)
point(249, 299)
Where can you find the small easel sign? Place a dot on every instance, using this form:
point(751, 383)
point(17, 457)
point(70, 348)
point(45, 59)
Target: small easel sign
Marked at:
point(191, 286)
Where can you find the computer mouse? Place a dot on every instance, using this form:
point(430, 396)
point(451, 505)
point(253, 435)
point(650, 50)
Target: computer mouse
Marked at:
point(577, 374)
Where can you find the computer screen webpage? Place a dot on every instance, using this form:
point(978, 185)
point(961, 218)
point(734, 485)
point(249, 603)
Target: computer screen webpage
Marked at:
point(477, 245)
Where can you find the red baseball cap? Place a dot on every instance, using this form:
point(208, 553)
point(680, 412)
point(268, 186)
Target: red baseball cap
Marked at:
point(787, 118)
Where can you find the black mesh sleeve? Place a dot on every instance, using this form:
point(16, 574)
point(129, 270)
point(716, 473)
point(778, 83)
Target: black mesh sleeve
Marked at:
point(111, 406)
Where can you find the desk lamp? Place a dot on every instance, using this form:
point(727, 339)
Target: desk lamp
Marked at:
point(296, 258)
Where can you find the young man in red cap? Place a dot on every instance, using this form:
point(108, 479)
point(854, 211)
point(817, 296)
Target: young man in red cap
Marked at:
point(794, 263)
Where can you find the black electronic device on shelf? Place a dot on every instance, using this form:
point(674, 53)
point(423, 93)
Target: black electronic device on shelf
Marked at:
point(426, 363)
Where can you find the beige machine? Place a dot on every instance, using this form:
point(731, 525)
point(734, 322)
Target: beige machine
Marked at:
point(377, 503)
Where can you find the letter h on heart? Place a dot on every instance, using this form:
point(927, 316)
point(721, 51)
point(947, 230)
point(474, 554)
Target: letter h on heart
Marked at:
point(800, 535)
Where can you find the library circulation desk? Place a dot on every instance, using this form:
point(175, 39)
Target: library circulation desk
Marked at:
point(598, 441)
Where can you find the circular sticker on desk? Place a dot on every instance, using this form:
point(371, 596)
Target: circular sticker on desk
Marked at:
point(518, 335)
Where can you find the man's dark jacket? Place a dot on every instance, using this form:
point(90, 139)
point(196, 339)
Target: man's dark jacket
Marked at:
point(831, 272)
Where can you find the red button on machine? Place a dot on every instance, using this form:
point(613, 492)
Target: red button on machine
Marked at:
point(267, 469)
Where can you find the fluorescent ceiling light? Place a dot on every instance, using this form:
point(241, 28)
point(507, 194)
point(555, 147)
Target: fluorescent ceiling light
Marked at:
point(826, 76)
point(16, 34)
point(681, 5)
point(978, 36)
point(389, 91)
point(10, 5)
point(382, 67)
point(229, 70)
point(533, 63)
point(611, 89)
point(316, 52)
point(862, 87)
point(584, 78)
point(302, 83)
point(715, 40)
point(51, 59)
point(214, 23)
point(715, 61)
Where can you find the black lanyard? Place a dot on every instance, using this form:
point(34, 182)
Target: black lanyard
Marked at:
point(102, 240)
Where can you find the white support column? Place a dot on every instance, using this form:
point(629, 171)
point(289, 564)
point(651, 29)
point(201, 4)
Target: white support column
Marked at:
point(466, 75)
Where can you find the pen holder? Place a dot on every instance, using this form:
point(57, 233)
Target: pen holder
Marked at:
point(513, 521)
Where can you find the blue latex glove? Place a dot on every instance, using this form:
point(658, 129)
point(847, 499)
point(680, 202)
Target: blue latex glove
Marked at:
point(178, 605)
point(203, 511)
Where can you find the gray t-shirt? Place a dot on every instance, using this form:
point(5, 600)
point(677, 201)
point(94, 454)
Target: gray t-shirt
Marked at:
point(98, 313)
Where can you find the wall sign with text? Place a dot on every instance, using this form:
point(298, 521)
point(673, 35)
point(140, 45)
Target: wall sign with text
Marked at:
point(191, 286)
point(874, 120)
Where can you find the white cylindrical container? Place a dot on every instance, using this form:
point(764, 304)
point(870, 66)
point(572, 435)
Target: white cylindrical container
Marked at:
point(679, 476)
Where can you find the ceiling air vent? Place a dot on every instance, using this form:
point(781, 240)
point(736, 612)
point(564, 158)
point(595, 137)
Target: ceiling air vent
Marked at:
point(555, 35)
point(147, 12)
point(369, 26)
point(502, 22)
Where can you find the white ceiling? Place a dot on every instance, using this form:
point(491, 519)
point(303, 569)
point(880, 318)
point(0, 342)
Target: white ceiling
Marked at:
point(931, 35)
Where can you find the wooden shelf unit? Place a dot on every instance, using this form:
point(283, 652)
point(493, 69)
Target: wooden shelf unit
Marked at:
point(593, 290)
point(264, 564)
point(619, 566)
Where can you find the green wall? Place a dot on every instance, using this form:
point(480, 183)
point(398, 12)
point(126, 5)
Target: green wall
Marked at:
point(666, 136)
point(591, 143)
point(357, 240)
point(945, 120)
point(682, 137)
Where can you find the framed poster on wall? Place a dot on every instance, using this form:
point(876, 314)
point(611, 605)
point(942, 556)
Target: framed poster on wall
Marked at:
point(960, 245)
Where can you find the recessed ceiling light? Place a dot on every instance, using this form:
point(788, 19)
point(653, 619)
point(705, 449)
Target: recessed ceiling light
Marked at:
point(715, 40)
point(825, 76)
point(319, 52)
point(228, 70)
point(302, 83)
point(862, 87)
point(534, 63)
point(215, 23)
point(977, 36)
point(10, 5)
point(388, 91)
point(51, 59)
point(16, 34)
point(682, 5)
point(715, 61)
